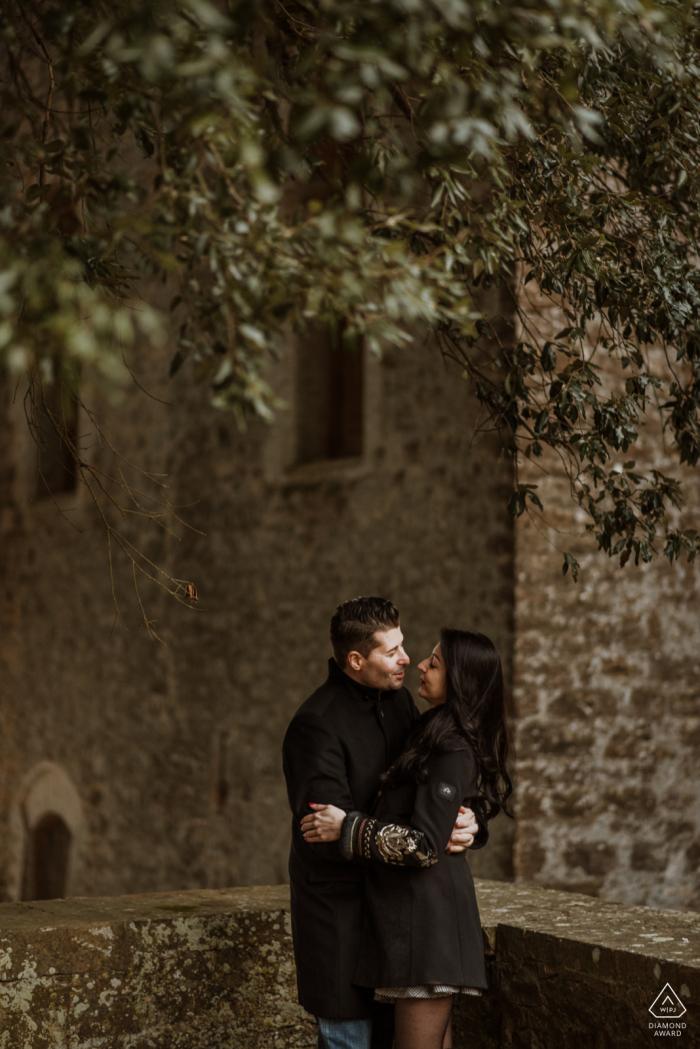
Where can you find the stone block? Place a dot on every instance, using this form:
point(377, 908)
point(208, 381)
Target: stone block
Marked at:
point(213, 969)
point(647, 856)
point(191, 970)
point(595, 858)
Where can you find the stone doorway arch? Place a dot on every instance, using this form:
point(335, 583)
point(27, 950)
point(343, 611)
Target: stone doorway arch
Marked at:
point(48, 834)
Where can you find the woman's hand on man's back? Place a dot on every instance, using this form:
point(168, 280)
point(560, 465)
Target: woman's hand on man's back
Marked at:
point(323, 824)
point(465, 829)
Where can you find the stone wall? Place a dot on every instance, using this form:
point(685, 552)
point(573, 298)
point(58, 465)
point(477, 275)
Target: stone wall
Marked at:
point(173, 750)
point(214, 970)
point(607, 688)
point(164, 759)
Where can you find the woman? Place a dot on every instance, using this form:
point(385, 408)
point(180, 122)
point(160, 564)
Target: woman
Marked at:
point(422, 940)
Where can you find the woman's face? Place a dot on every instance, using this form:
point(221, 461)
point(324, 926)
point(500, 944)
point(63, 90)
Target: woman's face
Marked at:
point(433, 680)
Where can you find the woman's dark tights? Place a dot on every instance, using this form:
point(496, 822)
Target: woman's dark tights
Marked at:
point(423, 1023)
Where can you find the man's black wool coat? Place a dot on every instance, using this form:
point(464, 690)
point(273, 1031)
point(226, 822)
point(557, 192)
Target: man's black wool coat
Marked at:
point(337, 746)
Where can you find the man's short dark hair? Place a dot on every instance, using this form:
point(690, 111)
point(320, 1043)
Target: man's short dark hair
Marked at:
point(355, 623)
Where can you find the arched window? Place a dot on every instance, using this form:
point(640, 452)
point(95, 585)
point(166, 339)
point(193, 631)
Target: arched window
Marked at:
point(47, 837)
point(47, 859)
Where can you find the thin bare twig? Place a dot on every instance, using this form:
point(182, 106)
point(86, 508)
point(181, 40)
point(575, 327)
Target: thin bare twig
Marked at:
point(47, 114)
point(298, 21)
point(104, 490)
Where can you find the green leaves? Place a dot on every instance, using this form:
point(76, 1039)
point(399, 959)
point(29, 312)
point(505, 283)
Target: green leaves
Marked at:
point(389, 165)
point(36, 192)
point(570, 562)
point(516, 504)
point(518, 501)
point(548, 357)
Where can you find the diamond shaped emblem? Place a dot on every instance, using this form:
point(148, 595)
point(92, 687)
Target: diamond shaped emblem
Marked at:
point(667, 1005)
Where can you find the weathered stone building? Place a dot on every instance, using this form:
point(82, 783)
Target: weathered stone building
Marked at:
point(132, 766)
point(607, 682)
point(163, 760)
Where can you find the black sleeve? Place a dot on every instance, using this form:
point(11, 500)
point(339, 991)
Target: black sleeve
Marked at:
point(421, 842)
point(315, 771)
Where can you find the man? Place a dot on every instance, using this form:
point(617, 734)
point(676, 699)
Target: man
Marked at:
point(337, 746)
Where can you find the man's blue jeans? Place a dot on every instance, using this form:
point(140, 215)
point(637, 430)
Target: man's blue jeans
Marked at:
point(344, 1034)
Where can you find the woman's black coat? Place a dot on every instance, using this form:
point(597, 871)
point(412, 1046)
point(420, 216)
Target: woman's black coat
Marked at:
point(421, 923)
point(337, 746)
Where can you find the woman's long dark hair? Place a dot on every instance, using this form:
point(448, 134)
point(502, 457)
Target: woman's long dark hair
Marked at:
point(473, 712)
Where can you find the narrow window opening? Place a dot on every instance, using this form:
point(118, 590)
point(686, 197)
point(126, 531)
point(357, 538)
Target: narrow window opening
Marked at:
point(56, 432)
point(222, 783)
point(330, 395)
point(48, 854)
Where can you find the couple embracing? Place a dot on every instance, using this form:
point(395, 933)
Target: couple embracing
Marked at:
point(384, 916)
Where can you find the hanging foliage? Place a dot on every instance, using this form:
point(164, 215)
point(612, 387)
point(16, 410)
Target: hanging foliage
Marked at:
point(380, 162)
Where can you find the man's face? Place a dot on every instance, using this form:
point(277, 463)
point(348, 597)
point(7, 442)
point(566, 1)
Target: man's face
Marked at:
point(384, 667)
